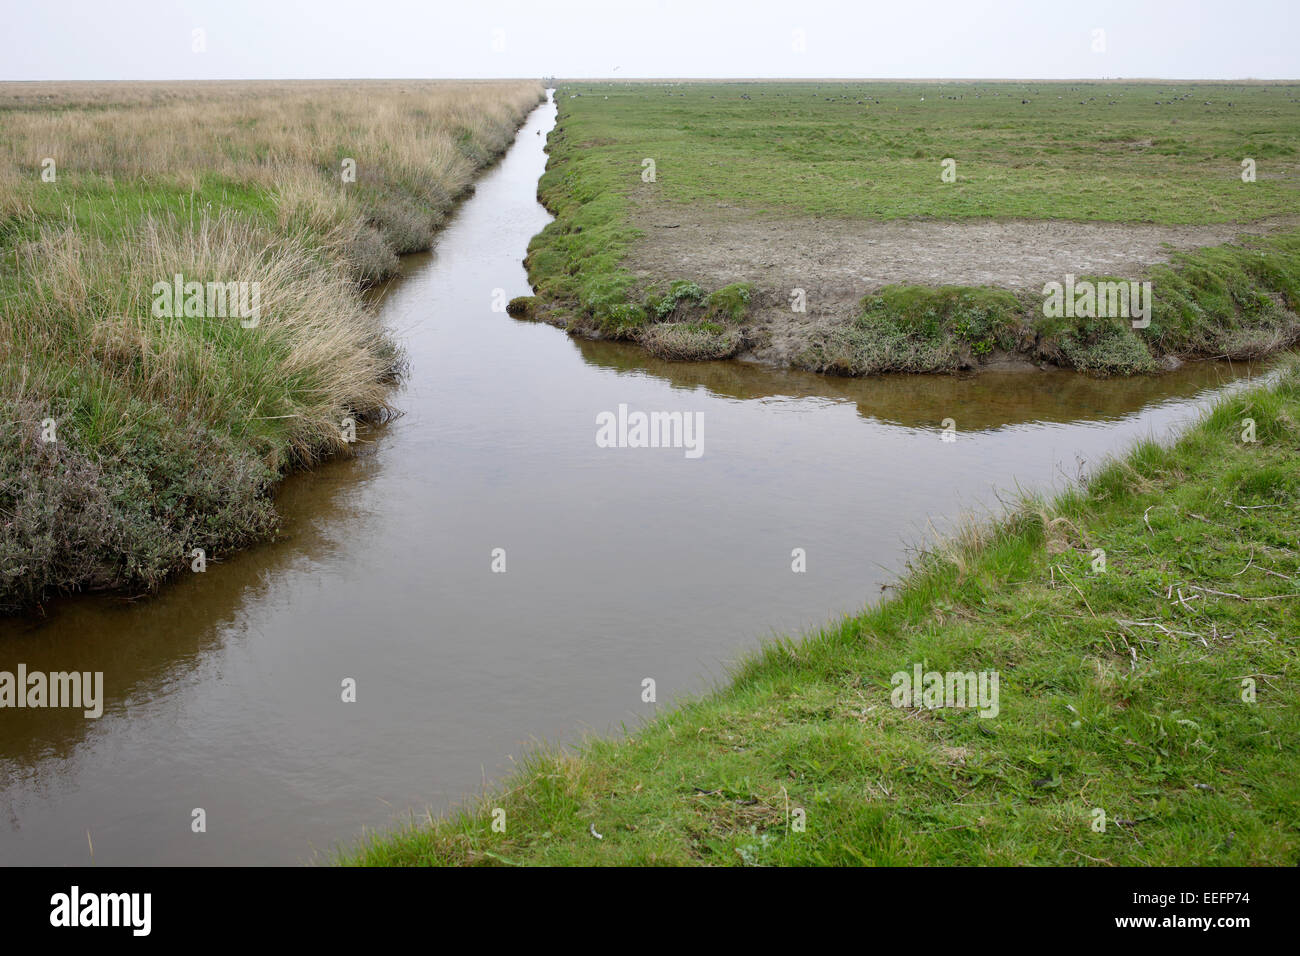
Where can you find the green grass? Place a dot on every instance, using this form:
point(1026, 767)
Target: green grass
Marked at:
point(1121, 690)
point(1141, 153)
point(1081, 151)
point(114, 208)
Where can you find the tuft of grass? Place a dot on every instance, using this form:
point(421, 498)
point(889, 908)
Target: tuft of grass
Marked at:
point(521, 306)
point(681, 294)
point(692, 341)
point(728, 304)
point(920, 329)
point(1160, 690)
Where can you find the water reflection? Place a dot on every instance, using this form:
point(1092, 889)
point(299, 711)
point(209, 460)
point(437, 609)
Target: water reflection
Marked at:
point(986, 400)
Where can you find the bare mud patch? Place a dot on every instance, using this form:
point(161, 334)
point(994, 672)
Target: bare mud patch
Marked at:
point(724, 243)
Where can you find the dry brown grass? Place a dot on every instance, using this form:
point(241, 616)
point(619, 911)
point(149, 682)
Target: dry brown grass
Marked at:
point(314, 331)
point(252, 131)
point(416, 145)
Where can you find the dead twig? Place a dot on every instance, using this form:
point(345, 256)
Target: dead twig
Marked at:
point(1077, 591)
point(1196, 587)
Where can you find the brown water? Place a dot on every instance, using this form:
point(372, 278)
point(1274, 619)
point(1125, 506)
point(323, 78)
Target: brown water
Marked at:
point(622, 563)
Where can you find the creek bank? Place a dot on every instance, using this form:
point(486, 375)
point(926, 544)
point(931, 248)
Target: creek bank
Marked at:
point(1236, 301)
point(143, 447)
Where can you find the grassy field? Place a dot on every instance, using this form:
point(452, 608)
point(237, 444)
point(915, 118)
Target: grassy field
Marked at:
point(1144, 631)
point(133, 439)
point(809, 153)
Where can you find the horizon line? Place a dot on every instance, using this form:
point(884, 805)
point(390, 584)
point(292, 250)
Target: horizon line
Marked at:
point(679, 79)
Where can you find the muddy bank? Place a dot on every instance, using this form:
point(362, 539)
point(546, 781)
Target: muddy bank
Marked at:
point(856, 297)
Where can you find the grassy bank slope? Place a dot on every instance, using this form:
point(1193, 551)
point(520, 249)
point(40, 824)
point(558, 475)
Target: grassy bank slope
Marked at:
point(131, 440)
point(1122, 690)
point(1103, 152)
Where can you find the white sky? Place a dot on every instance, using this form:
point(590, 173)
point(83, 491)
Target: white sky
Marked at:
point(249, 39)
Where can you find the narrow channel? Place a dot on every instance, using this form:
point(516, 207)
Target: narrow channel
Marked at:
point(223, 693)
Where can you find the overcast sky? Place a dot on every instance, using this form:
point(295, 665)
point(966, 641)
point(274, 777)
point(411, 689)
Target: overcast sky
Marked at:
point(248, 39)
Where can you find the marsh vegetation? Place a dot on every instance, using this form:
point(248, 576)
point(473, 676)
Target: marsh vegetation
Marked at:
point(133, 440)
